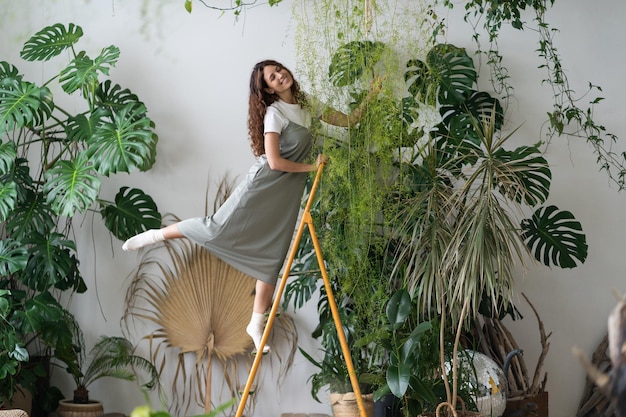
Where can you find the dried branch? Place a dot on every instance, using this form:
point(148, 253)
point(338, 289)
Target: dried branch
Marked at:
point(535, 387)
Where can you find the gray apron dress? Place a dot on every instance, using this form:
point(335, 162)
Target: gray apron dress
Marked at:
point(253, 229)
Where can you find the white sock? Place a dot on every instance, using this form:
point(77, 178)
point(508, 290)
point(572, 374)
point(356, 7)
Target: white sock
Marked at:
point(255, 329)
point(142, 239)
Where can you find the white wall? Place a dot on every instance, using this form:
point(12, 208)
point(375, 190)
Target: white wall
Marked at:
point(192, 72)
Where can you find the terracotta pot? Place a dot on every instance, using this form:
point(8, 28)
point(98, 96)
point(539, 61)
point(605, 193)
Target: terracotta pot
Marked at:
point(67, 408)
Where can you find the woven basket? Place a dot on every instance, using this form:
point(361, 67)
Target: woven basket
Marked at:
point(445, 409)
point(68, 409)
point(344, 405)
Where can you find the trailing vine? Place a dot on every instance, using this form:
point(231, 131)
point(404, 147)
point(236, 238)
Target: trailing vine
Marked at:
point(236, 6)
point(569, 117)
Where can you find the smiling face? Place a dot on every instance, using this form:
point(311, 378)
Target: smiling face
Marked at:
point(279, 81)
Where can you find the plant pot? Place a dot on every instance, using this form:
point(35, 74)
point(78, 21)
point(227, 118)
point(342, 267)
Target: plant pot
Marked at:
point(67, 408)
point(345, 405)
point(536, 405)
point(445, 409)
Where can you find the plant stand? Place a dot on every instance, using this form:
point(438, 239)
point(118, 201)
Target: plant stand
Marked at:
point(306, 220)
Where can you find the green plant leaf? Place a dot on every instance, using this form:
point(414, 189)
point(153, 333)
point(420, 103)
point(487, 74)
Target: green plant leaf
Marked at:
point(8, 199)
point(71, 186)
point(39, 312)
point(8, 73)
point(528, 175)
point(447, 76)
point(78, 128)
point(31, 215)
point(412, 341)
point(113, 97)
point(19, 104)
point(50, 261)
point(351, 61)
point(555, 237)
point(454, 70)
point(13, 257)
point(123, 141)
point(398, 376)
point(398, 308)
point(50, 42)
point(133, 212)
point(84, 72)
point(8, 154)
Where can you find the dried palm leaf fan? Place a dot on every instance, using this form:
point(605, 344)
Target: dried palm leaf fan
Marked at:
point(201, 306)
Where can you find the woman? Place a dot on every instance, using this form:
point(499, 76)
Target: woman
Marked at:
point(253, 229)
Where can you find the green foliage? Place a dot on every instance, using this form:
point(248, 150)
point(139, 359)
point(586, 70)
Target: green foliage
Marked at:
point(111, 356)
point(52, 162)
point(568, 117)
point(440, 222)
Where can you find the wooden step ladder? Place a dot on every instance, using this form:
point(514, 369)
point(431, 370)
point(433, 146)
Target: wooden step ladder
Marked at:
point(306, 220)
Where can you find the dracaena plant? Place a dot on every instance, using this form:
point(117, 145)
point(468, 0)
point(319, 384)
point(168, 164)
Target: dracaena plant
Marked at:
point(52, 163)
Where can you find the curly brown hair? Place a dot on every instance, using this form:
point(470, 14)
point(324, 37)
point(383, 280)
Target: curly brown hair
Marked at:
point(260, 99)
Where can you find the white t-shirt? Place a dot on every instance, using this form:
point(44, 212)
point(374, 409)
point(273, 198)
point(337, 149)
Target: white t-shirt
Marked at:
point(279, 113)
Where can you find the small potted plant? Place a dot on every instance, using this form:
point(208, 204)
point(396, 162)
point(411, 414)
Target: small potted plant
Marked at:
point(111, 356)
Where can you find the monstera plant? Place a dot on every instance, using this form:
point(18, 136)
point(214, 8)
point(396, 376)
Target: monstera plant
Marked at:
point(52, 161)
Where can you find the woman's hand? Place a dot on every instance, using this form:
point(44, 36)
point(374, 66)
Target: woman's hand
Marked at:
point(321, 159)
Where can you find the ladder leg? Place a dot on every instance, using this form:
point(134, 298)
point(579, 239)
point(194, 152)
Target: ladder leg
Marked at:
point(279, 293)
point(340, 333)
point(305, 221)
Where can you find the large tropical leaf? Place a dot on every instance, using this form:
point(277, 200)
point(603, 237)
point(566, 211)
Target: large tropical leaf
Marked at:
point(8, 198)
point(555, 237)
point(31, 215)
point(50, 261)
point(19, 103)
point(78, 128)
point(44, 316)
point(84, 72)
point(8, 72)
point(20, 175)
point(71, 186)
point(113, 97)
point(8, 154)
point(124, 141)
point(528, 175)
point(133, 212)
point(454, 70)
point(448, 71)
point(50, 42)
point(398, 308)
point(351, 60)
point(13, 257)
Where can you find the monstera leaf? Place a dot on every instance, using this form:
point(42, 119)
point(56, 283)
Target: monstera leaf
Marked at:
point(50, 261)
point(8, 197)
point(71, 186)
point(529, 173)
point(31, 215)
point(447, 76)
point(555, 237)
point(50, 42)
point(133, 212)
point(19, 104)
point(84, 72)
point(13, 256)
point(113, 97)
point(124, 141)
point(351, 61)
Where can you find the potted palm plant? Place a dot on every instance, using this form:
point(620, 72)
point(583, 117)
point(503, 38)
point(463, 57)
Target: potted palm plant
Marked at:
point(111, 356)
point(52, 161)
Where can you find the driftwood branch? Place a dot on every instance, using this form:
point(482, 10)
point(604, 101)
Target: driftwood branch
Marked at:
point(535, 387)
